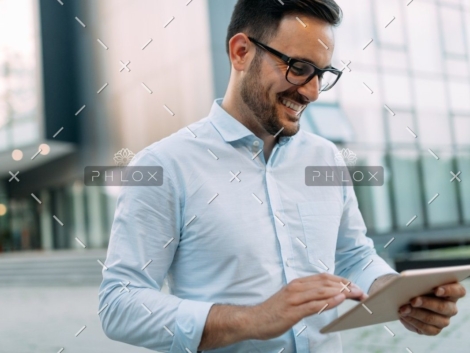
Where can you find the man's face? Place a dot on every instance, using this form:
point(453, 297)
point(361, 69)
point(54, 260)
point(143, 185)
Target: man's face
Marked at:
point(264, 88)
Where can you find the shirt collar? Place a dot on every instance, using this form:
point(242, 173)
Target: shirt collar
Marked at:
point(230, 128)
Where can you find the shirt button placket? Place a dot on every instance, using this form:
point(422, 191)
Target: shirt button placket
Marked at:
point(279, 223)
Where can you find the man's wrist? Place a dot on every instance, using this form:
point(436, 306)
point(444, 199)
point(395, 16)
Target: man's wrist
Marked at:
point(228, 324)
point(246, 318)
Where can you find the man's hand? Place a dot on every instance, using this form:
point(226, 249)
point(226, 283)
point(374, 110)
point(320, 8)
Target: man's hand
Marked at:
point(300, 298)
point(428, 315)
point(228, 324)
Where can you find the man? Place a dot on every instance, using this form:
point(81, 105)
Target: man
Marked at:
point(256, 260)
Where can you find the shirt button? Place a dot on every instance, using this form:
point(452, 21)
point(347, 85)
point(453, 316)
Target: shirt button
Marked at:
point(256, 143)
point(288, 263)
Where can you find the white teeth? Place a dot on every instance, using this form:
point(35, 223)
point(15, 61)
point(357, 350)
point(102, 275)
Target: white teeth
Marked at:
point(291, 105)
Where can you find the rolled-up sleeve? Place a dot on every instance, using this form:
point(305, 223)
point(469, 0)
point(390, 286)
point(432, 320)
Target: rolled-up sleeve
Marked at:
point(356, 258)
point(144, 238)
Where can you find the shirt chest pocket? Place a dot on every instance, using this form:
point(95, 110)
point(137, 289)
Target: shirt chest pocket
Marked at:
point(320, 221)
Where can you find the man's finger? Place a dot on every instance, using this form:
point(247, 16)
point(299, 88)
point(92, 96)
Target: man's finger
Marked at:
point(438, 305)
point(324, 293)
point(428, 317)
point(323, 280)
point(363, 297)
point(319, 306)
point(423, 328)
point(452, 290)
point(410, 326)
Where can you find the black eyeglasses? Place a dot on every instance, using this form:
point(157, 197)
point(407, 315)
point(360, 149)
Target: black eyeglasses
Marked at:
point(300, 72)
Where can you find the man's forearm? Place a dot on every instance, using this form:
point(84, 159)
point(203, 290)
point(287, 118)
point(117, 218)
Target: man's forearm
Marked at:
point(227, 324)
point(380, 282)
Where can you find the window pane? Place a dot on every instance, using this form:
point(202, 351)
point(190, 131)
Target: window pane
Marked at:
point(430, 95)
point(19, 68)
point(375, 201)
point(4, 107)
point(423, 37)
point(355, 32)
point(328, 121)
point(25, 132)
point(464, 166)
point(386, 11)
point(393, 59)
point(406, 190)
point(459, 96)
point(443, 210)
point(363, 108)
point(451, 20)
point(433, 130)
point(398, 131)
point(3, 139)
point(466, 14)
point(367, 123)
point(462, 130)
point(23, 98)
point(356, 92)
point(457, 68)
point(397, 91)
point(451, 2)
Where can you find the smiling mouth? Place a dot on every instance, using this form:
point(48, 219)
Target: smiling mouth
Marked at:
point(293, 108)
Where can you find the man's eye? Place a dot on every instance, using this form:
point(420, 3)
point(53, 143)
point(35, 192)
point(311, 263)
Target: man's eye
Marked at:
point(298, 70)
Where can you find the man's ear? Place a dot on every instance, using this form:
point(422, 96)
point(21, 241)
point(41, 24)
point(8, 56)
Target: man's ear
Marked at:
point(241, 51)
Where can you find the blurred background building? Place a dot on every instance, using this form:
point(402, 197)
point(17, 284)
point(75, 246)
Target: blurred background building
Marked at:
point(81, 80)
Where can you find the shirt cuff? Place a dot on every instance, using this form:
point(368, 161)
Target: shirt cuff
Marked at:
point(190, 321)
point(376, 269)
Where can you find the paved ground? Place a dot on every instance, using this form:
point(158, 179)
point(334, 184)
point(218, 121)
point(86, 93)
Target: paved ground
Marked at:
point(45, 319)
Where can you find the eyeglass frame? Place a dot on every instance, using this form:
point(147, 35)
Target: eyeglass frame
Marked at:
point(289, 61)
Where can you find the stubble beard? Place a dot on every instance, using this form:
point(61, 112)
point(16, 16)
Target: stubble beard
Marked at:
point(256, 98)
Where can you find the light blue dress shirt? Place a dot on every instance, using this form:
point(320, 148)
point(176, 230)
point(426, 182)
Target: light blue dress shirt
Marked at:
point(228, 227)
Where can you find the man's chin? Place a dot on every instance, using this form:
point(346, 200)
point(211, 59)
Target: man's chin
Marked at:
point(291, 127)
point(293, 119)
point(289, 123)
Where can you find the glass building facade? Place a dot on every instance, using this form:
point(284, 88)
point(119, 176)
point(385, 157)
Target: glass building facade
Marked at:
point(416, 121)
point(20, 85)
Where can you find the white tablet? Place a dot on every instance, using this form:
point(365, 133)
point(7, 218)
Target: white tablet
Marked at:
point(383, 305)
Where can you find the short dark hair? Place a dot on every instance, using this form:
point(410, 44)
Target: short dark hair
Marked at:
point(261, 18)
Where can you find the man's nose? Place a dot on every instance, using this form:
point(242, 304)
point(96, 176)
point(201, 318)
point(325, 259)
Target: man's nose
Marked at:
point(311, 90)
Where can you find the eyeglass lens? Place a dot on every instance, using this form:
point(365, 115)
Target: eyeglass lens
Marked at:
point(299, 72)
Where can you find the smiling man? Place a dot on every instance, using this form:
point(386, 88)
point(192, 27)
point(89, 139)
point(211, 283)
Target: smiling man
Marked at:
point(256, 260)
